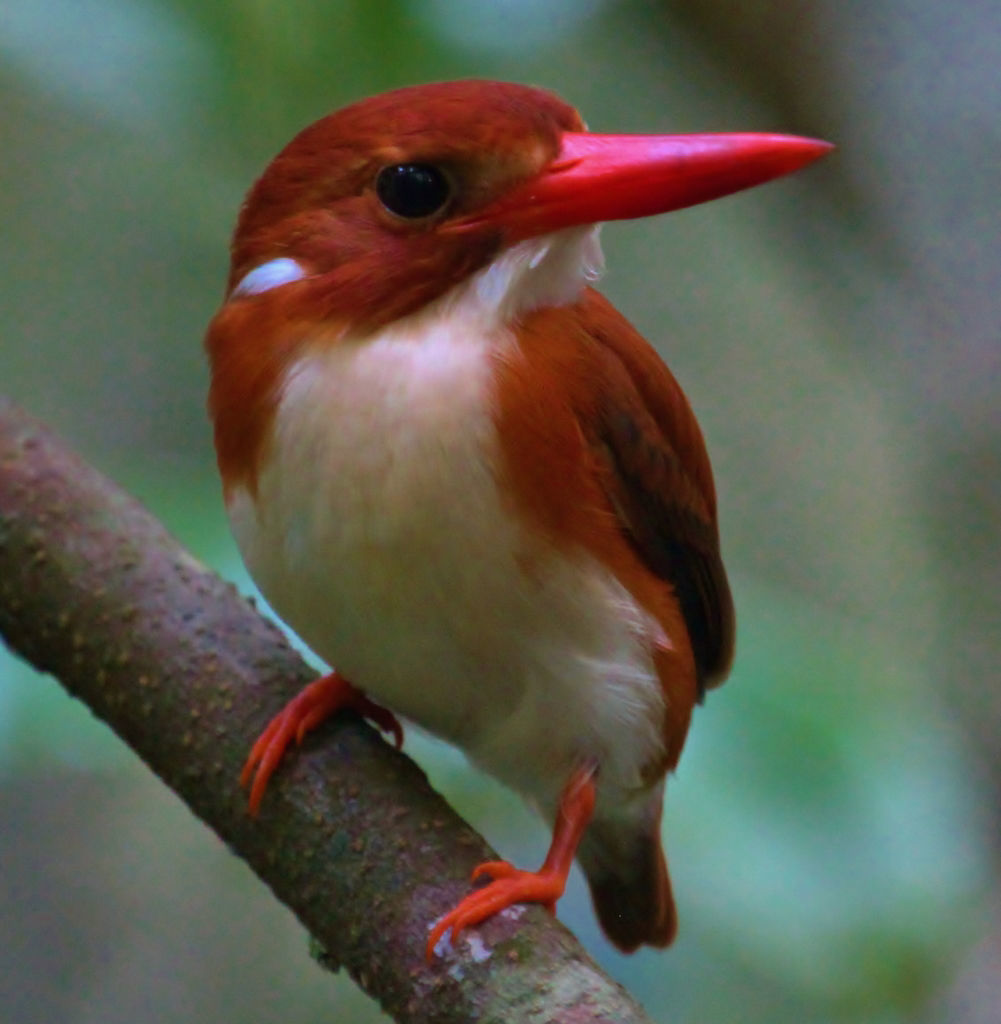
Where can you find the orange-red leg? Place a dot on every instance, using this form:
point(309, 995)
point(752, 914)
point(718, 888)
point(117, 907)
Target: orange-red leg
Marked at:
point(303, 713)
point(510, 885)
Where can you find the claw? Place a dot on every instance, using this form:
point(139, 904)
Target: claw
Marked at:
point(493, 869)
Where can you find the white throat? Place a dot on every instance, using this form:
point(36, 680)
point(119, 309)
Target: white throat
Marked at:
point(547, 271)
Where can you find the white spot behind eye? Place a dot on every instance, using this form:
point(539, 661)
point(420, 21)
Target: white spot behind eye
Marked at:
point(269, 275)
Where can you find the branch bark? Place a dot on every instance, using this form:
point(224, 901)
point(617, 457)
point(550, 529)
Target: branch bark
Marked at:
point(352, 838)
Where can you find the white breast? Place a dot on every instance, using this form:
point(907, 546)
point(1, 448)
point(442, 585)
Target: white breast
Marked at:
point(379, 535)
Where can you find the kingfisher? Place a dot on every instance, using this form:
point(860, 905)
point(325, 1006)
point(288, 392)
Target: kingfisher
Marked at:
point(464, 479)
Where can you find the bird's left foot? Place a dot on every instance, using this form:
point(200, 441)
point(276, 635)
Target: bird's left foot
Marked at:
point(509, 885)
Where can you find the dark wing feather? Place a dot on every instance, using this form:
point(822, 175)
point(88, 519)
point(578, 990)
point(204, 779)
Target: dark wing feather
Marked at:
point(659, 481)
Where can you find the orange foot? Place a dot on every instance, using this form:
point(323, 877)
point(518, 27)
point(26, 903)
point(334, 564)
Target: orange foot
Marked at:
point(303, 713)
point(509, 885)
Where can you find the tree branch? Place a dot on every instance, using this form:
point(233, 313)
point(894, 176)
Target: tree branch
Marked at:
point(352, 838)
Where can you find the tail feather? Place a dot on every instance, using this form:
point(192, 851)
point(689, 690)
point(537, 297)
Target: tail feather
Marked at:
point(630, 887)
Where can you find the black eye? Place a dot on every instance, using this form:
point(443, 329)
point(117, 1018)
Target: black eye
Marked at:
point(412, 190)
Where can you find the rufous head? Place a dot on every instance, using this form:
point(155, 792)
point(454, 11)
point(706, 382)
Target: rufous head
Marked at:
point(361, 199)
point(388, 203)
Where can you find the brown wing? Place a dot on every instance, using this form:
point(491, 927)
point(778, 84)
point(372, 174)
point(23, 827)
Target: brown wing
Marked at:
point(660, 483)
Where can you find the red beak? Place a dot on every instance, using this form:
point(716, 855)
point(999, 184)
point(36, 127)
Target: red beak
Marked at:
point(616, 177)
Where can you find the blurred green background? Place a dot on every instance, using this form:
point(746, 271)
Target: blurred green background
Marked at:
point(834, 827)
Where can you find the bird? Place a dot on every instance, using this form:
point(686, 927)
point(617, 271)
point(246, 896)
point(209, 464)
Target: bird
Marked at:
point(465, 480)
